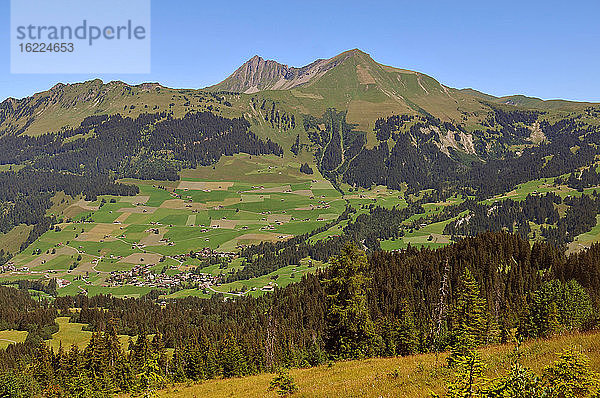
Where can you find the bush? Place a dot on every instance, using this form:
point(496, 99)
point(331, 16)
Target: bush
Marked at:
point(306, 169)
point(283, 383)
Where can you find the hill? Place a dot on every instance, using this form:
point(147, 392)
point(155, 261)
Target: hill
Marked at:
point(67, 105)
point(351, 81)
point(367, 90)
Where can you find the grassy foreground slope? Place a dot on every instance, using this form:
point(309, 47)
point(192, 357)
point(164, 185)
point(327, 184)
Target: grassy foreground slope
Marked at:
point(412, 376)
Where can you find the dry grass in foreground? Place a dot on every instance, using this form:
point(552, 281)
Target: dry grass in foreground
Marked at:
point(413, 376)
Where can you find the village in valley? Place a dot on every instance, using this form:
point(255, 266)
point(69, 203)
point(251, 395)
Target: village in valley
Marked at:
point(179, 237)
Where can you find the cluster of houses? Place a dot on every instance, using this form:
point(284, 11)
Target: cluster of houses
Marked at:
point(142, 275)
point(204, 253)
point(10, 267)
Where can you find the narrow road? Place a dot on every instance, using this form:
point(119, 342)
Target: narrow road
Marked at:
point(10, 341)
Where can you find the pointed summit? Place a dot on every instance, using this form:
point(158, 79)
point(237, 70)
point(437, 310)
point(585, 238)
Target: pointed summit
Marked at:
point(258, 74)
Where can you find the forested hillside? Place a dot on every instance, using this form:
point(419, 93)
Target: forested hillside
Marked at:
point(484, 289)
point(87, 160)
point(288, 218)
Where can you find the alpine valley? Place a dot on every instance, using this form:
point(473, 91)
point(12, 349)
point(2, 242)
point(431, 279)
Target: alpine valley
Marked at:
point(288, 217)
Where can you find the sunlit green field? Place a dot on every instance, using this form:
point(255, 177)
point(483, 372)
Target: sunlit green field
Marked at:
point(585, 240)
point(10, 337)
point(73, 333)
point(243, 200)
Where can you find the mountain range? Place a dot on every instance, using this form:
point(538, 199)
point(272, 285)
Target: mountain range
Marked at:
point(351, 81)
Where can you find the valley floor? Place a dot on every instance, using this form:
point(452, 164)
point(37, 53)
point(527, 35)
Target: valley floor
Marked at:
point(413, 376)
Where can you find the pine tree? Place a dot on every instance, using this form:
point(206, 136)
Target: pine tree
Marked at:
point(233, 361)
point(470, 319)
point(406, 341)
point(350, 331)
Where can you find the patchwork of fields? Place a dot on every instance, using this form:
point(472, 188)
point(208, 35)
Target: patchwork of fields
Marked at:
point(242, 200)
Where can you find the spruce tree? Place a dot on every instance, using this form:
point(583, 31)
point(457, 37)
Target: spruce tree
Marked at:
point(406, 341)
point(233, 362)
point(350, 330)
point(571, 376)
point(43, 372)
point(468, 376)
point(470, 319)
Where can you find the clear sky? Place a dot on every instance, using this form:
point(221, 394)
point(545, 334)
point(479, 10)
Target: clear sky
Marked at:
point(547, 49)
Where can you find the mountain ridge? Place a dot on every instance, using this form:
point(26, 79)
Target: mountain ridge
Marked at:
point(240, 81)
point(351, 81)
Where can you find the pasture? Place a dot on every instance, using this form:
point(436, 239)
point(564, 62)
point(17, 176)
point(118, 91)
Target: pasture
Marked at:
point(242, 200)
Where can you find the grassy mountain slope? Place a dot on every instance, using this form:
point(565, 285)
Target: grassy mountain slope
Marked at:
point(353, 81)
point(350, 81)
point(66, 105)
point(530, 102)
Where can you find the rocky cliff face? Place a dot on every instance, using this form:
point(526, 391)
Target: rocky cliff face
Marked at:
point(258, 74)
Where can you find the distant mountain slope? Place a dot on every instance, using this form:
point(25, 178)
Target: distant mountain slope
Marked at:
point(530, 102)
point(352, 80)
point(368, 90)
point(66, 105)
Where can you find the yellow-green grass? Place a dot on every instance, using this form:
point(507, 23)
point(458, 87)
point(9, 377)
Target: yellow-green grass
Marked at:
point(281, 277)
point(252, 169)
point(11, 167)
point(585, 240)
point(430, 236)
point(69, 334)
point(12, 240)
point(8, 337)
point(284, 276)
point(118, 98)
point(411, 377)
point(541, 186)
point(60, 202)
point(73, 333)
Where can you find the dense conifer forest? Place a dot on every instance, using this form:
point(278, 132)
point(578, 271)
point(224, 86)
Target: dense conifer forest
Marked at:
point(426, 153)
point(484, 289)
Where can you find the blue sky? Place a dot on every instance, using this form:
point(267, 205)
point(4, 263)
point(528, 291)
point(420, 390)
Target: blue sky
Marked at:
point(546, 49)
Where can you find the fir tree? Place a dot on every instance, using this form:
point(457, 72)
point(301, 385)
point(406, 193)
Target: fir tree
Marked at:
point(406, 341)
point(350, 331)
point(571, 376)
point(470, 319)
point(233, 361)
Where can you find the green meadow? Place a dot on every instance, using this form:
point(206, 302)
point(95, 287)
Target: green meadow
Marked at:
point(242, 200)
